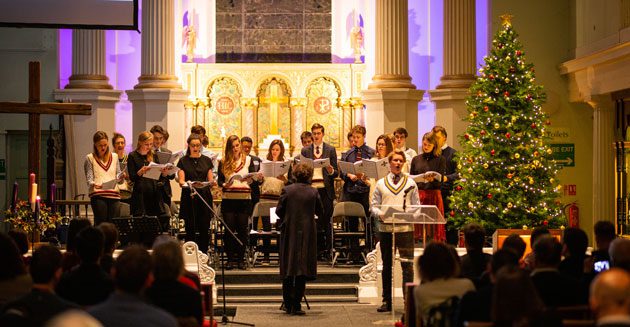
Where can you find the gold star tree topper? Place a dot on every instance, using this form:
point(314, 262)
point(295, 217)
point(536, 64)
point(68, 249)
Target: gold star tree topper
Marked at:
point(506, 19)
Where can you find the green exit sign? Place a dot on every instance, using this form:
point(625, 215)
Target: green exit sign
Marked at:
point(564, 154)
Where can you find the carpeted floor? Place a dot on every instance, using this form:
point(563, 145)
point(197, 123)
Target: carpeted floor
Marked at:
point(326, 315)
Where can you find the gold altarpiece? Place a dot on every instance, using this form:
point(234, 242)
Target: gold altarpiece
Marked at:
point(263, 100)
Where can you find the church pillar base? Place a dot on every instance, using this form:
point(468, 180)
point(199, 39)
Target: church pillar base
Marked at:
point(80, 129)
point(388, 109)
point(450, 105)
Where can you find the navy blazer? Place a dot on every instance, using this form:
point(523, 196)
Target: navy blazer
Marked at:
point(451, 170)
point(328, 151)
point(351, 156)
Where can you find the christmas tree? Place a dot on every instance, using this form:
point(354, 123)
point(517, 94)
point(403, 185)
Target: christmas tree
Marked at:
point(507, 176)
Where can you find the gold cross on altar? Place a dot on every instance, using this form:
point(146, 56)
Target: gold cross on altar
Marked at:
point(34, 108)
point(273, 100)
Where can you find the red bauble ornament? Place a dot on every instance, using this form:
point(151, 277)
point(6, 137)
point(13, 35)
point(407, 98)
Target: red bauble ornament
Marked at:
point(452, 213)
point(508, 135)
point(485, 108)
point(506, 93)
point(533, 125)
point(482, 132)
point(458, 188)
point(492, 152)
point(466, 136)
point(489, 196)
point(491, 76)
point(545, 223)
point(518, 52)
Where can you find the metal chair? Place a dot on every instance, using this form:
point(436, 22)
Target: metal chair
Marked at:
point(340, 232)
point(261, 210)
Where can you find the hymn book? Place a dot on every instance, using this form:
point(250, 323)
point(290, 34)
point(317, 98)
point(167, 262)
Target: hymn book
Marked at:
point(376, 169)
point(274, 168)
point(155, 170)
point(422, 178)
point(165, 157)
point(354, 168)
point(318, 163)
point(238, 177)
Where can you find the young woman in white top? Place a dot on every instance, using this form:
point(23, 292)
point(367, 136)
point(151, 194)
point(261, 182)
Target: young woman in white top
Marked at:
point(102, 167)
point(236, 204)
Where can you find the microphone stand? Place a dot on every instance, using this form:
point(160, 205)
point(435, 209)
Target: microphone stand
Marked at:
point(224, 317)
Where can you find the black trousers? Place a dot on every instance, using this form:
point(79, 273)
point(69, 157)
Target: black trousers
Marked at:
point(104, 209)
point(236, 215)
point(324, 232)
point(404, 244)
point(198, 224)
point(293, 288)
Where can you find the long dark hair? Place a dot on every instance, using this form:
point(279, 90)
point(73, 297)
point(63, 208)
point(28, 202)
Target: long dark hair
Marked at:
point(100, 135)
point(274, 142)
point(192, 137)
point(515, 301)
point(10, 258)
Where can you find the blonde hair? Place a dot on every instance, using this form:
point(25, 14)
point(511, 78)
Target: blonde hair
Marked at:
point(145, 137)
point(229, 162)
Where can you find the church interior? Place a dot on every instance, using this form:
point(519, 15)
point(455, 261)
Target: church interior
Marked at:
point(269, 71)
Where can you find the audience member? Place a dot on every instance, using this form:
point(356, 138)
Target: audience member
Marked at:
point(476, 305)
point(610, 298)
point(74, 318)
point(553, 288)
point(167, 292)
point(41, 304)
point(87, 284)
point(21, 240)
point(536, 233)
point(604, 235)
point(110, 242)
point(515, 243)
point(438, 269)
point(619, 252)
point(474, 262)
point(574, 244)
point(70, 257)
point(515, 301)
point(125, 307)
point(14, 280)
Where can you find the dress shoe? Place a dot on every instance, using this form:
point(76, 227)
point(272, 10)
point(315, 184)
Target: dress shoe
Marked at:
point(298, 312)
point(385, 307)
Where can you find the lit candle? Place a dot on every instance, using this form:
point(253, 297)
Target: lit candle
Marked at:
point(36, 215)
point(14, 199)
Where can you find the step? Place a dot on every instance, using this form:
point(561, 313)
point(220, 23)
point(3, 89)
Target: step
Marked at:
point(324, 289)
point(272, 275)
point(278, 299)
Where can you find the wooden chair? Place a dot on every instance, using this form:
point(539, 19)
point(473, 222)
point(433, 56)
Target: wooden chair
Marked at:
point(340, 233)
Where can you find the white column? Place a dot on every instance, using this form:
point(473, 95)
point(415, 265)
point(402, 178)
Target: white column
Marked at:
point(459, 68)
point(88, 60)
point(392, 50)
point(158, 45)
point(391, 99)
point(603, 158)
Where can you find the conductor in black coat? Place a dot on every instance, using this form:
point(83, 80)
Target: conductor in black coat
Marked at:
point(296, 210)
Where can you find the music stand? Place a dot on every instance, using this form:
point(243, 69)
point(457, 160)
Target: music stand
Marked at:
point(140, 230)
point(407, 215)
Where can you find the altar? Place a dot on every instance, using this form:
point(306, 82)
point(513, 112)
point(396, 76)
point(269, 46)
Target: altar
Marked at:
point(266, 101)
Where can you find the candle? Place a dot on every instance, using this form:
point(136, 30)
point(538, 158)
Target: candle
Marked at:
point(31, 180)
point(51, 195)
point(36, 215)
point(14, 199)
point(33, 194)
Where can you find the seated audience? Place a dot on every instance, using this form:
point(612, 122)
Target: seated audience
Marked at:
point(41, 304)
point(553, 288)
point(515, 243)
point(574, 244)
point(87, 284)
point(110, 232)
point(14, 280)
point(476, 305)
point(604, 235)
point(619, 252)
point(536, 233)
point(438, 270)
point(167, 292)
point(74, 318)
point(21, 240)
point(474, 262)
point(515, 301)
point(610, 298)
point(125, 307)
point(70, 257)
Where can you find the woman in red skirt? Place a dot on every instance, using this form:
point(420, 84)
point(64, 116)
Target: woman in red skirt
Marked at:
point(430, 159)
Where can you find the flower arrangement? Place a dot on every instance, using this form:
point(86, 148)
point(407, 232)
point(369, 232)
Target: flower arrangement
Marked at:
point(22, 217)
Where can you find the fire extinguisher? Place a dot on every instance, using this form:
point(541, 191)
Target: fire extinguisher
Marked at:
point(572, 212)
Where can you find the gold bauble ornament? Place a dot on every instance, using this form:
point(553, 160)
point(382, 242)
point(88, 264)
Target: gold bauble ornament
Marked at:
point(510, 205)
point(507, 80)
point(551, 180)
point(496, 125)
point(459, 166)
point(549, 151)
point(517, 179)
point(562, 227)
point(524, 227)
point(516, 155)
point(531, 180)
point(470, 205)
point(470, 170)
point(485, 166)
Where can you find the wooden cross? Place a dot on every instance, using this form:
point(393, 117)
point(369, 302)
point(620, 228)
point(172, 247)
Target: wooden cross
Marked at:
point(34, 108)
point(273, 100)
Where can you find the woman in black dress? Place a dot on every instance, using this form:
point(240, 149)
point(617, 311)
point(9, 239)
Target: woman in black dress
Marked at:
point(195, 168)
point(146, 198)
